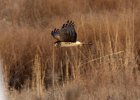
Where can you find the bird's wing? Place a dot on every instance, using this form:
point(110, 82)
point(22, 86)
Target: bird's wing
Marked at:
point(67, 32)
point(56, 34)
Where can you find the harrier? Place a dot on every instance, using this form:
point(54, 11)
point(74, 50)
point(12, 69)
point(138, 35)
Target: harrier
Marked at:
point(66, 36)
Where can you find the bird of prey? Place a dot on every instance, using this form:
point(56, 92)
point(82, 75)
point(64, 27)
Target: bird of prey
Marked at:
point(66, 36)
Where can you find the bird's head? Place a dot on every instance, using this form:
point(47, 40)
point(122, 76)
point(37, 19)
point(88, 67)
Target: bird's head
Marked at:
point(57, 44)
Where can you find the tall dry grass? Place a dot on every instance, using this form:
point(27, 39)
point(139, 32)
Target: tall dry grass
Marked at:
point(109, 69)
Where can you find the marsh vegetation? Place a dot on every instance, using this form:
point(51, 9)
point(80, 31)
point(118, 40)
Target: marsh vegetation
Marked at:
point(35, 70)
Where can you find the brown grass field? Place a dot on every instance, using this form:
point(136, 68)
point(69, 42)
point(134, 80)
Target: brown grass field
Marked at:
point(35, 70)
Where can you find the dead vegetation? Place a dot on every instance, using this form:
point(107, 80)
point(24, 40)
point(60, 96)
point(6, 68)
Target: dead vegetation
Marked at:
point(107, 70)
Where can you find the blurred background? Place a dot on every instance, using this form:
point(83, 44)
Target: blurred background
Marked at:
point(34, 70)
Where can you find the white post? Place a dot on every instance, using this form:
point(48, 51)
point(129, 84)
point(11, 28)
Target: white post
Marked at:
point(2, 86)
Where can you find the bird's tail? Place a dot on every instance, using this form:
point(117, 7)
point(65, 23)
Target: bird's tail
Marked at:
point(87, 43)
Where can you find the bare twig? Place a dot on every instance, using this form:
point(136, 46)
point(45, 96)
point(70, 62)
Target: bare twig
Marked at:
point(101, 57)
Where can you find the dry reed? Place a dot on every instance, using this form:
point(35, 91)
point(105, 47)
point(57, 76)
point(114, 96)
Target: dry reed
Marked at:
point(102, 71)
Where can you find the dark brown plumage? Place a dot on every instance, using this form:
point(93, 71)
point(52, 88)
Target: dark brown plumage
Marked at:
point(67, 32)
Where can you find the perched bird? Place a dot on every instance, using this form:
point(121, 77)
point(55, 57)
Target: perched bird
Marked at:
point(66, 36)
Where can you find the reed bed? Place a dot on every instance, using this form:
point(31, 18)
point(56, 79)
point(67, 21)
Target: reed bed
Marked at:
point(35, 70)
